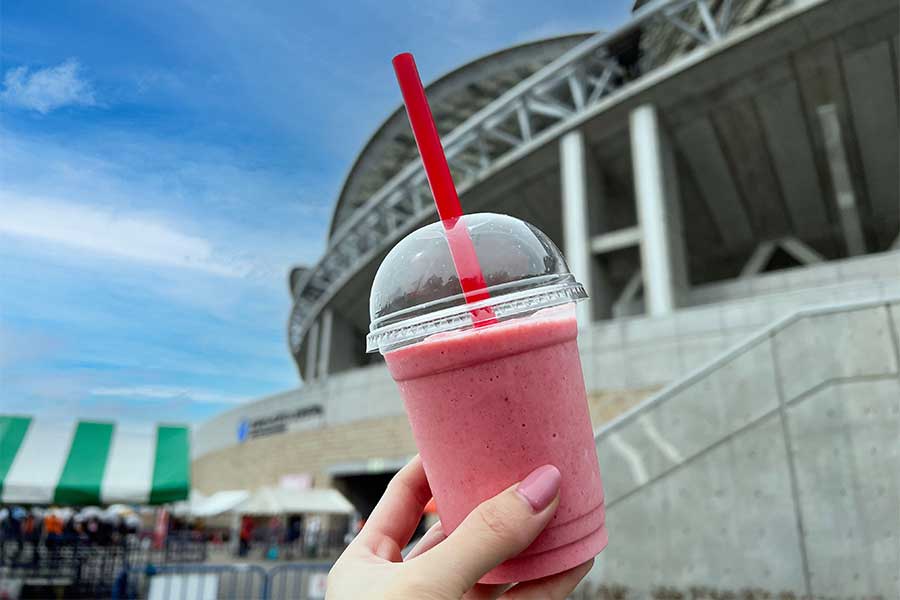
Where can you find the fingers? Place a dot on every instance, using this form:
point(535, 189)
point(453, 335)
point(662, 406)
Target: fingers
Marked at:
point(487, 591)
point(497, 529)
point(557, 586)
point(397, 514)
point(434, 536)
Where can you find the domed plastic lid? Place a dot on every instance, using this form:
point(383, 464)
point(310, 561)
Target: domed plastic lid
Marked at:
point(416, 292)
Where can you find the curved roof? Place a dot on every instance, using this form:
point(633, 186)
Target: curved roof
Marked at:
point(454, 98)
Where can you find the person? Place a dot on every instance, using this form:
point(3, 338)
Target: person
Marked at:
point(92, 528)
point(28, 528)
point(246, 535)
point(448, 567)
point(275, 535)
point(311, 535)
point(31, 534)
point(14, 531)
point(4, 532)
point(276, 530)
point(71, 533)
point(53, 526)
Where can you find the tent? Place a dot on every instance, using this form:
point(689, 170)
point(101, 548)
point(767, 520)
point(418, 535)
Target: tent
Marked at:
point(203, 506)
point(183, 508)
point(283, 501)
point(89, 462)
point(219, 503)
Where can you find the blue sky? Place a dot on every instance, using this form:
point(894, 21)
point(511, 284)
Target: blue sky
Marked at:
point(163, 164)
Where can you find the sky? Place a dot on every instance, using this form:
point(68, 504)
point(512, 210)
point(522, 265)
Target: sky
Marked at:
point(164, 164)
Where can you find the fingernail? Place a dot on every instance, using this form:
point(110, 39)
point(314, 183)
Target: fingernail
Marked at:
point(540, 487)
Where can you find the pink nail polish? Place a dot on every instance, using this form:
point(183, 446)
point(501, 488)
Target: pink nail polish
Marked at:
point(540, 487)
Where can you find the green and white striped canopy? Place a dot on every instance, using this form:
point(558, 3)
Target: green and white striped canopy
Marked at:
point(53, 462)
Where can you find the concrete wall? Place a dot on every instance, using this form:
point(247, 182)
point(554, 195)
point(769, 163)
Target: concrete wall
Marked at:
point(633, 353)
point(376, 444)
point(872, 268)
point(346, 346)
point(646, 351)
point(777, 467)
point(263, 461)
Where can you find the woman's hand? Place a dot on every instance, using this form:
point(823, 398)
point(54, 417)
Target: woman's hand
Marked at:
point(444, 567)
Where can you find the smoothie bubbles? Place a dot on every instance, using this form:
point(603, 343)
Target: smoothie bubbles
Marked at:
point(475, 317)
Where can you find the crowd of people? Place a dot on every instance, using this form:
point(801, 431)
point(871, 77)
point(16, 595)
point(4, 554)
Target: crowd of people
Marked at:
point(275, 537)
point(57, 526)
point(294, 536)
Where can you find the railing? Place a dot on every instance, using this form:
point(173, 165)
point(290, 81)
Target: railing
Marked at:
point(297, 580)
point(767, 438)
point(326, 543)
point(84, 569)
point(526, 116)
point(223, 581)
point(698, 375)
point(193, 582)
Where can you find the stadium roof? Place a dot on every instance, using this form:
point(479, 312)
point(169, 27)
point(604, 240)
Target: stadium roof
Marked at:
point(454, 97)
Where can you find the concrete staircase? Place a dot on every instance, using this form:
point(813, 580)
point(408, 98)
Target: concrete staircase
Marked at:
point(775, 467)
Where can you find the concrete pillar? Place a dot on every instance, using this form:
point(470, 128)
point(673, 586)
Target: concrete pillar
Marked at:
point(327, 334)
point(848, 210)
point(663, 262)
point(312, 352)
point(573, 161)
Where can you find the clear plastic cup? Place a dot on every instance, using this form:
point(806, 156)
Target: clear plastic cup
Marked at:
point(488, 404)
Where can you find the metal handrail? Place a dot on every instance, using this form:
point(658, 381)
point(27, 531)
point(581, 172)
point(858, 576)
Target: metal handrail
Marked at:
point(678, 386)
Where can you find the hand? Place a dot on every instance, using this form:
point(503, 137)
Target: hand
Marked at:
point(444, 567)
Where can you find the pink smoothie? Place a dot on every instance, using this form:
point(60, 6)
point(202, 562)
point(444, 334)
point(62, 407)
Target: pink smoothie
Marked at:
point(489, 405)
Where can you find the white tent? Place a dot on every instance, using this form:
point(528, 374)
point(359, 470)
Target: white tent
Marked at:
point(219, 503)
point(182, 508)
point(282, 501)
point(201, 505)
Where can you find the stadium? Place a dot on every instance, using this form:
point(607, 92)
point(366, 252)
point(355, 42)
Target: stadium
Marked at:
point(722, 175)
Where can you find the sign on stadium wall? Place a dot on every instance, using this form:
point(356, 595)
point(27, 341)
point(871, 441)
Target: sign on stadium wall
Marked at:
point(280, 422)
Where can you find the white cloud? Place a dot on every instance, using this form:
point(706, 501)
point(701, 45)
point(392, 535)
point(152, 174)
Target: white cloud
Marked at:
point(116, 234)
point(161, 392)
point(45, 90)
point(198, 189)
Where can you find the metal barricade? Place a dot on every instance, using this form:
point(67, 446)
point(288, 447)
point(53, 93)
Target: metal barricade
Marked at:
point(193, 582)
point(184, 548)
point(298, 581)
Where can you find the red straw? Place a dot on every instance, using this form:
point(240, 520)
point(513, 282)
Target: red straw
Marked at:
point(445, 198)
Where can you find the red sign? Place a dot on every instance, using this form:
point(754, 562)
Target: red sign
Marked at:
point(161, 528)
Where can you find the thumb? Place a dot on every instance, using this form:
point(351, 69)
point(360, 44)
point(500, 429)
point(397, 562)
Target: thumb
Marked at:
point(498, 529)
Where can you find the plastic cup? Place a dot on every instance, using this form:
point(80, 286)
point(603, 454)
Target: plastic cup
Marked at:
point(489, 404)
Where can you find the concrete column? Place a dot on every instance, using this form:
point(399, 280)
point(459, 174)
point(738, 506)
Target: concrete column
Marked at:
point(312, 352)
point(327, 333)
point(573, 161)
point(848, 210)
point(656, 194)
